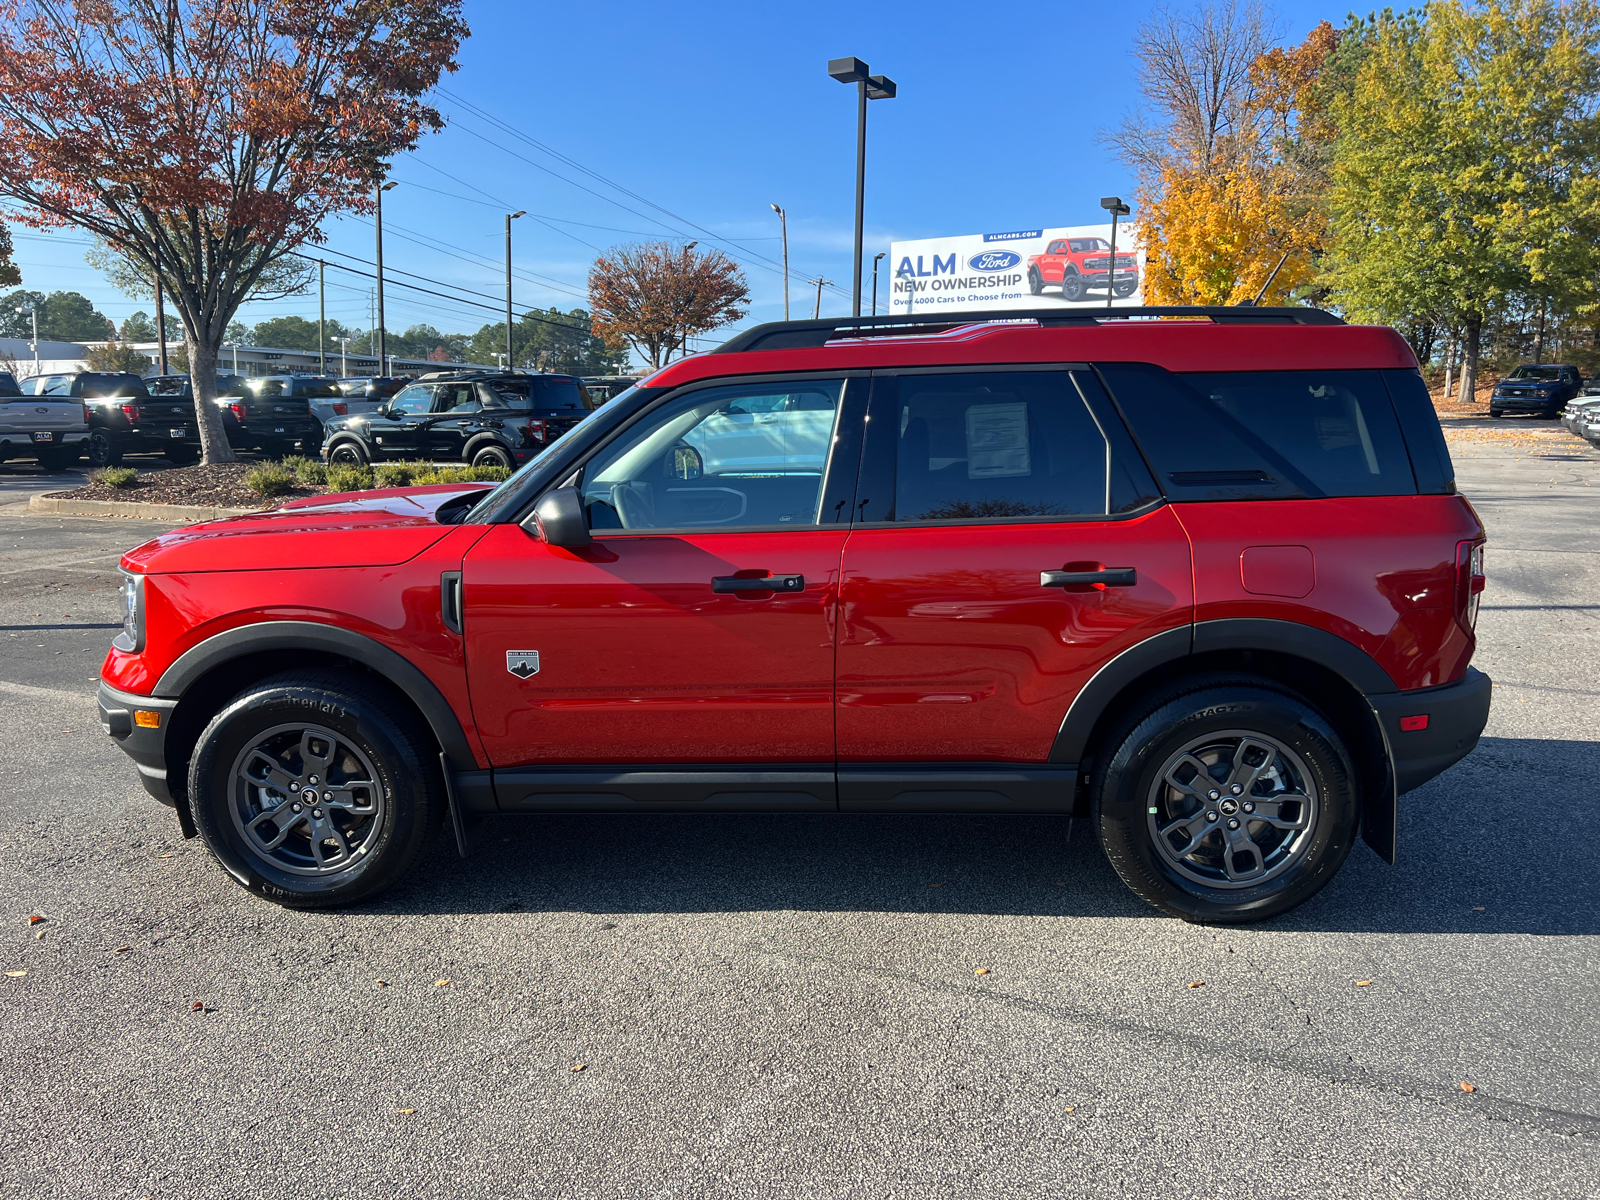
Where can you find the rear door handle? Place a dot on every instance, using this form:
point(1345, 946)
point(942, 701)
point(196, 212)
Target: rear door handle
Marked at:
point(767, 583)
point(1110, 576)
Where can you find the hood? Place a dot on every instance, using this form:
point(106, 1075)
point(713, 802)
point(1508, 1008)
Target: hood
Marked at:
point(351, 529)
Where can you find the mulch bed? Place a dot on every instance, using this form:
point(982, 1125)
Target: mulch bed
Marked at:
point(221, 484)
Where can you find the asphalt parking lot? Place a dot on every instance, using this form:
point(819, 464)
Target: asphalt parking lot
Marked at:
point(788, 1006)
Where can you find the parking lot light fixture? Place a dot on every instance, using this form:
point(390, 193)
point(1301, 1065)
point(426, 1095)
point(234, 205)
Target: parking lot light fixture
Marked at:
point(381, 190)
point(34, 345)
point(510, 217)
point(344, 357)
point(1114, 206)
point(868, 87)
point(783, 229)
point(876, 259)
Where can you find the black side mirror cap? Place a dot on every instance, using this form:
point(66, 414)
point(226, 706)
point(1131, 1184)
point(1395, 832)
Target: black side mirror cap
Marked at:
point(560, 519)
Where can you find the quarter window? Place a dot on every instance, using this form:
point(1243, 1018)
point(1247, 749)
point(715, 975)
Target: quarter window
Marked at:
point(726, 458)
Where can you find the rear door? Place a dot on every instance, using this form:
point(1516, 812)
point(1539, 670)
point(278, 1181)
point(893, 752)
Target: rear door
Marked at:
point(1010, 543)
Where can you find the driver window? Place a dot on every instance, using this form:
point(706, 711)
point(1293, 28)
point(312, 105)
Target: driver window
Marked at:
point(417, 398)
point(728, 457)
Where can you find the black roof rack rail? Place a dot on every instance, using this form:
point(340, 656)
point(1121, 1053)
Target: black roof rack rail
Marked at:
point(797, 335)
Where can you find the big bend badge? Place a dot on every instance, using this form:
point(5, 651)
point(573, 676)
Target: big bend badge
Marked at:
point(522, 663)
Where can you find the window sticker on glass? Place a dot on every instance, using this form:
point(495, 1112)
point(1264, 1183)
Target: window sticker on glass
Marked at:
point(997, 441)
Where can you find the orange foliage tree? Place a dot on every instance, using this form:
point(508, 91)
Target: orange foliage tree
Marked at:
point(656, 296)
point(207, 139)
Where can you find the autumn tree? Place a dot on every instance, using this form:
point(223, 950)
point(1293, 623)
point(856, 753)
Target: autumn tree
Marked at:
point(1466, 175)
point(208, 138)
point(655, 296)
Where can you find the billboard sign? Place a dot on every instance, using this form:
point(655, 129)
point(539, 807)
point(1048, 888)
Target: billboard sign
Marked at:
point(1068, 266)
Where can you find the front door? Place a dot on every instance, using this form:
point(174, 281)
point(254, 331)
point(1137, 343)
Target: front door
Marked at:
point(1010, 544)
point(396, 430)
point(698, 627)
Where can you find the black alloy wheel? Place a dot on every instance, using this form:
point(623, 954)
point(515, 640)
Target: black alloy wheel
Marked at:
point(315, 789)
point(103, 452)
point(347, 454)
point(1225, 799)
point(492, 455)
point(1126, 289)
point(1072, 287)
point(1035, 284)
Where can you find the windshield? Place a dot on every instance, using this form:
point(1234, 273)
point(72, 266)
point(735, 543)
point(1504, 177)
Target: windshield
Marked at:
point(1079, 245)
point(1548, 374)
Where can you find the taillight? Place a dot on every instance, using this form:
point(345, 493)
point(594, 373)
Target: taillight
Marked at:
point(238, 410)
point(131, 411)
point(535, 429)
point(339, 410)
point(88, 413)
point(1470, 582)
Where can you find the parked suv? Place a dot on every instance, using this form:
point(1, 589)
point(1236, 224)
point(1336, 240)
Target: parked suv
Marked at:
point(123, 417)
point(495, 419)
point(1542, 389)
point(1081, 263)
point(1206, 583)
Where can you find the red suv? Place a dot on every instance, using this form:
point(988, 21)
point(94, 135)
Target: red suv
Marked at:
point(1081, 263)
point(1205, 582)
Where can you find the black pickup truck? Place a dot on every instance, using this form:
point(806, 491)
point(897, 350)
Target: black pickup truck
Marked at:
point(124, 416)
point(252, 421)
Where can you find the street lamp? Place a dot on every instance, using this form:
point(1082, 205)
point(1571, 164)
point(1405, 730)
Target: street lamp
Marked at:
point(380, 193)
point(783, 225)
point(876, 258)
point(510, 217)
point(235, 346)
point(868, 87)
point(1114, 206)
point(344, 357)
point(34, 345)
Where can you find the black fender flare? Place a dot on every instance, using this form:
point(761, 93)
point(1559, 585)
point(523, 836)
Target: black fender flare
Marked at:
point(344, 436)
point(215, 651)
point(479, 441)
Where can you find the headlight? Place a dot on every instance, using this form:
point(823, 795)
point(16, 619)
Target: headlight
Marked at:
point(131, 639)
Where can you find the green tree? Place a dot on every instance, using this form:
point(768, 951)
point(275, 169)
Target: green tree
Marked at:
point(141, 327)
point(63, 317)
point(9, 275)
point(295, 333)
point(1464, 172)
point(117, 356)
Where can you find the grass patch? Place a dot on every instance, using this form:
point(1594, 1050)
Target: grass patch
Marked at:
point(117, 477)
point(271, 479)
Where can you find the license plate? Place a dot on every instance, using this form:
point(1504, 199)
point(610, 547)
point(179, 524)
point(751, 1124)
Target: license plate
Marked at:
point(177, 433)
point(279, 429)
point(44, 437)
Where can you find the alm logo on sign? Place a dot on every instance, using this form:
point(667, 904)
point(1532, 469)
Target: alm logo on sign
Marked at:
point(522, 663)
point(994, 260)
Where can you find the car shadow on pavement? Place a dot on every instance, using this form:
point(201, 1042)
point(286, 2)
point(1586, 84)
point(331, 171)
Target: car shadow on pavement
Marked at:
point(1501, 843)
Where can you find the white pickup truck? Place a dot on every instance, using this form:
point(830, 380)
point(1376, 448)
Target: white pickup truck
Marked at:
point(52, 430)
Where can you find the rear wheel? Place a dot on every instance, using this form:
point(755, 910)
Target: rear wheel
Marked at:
point(492, 455)
point(103, 452)
point(1224, 799)
point(315, 790)
point(182, 454)
point(1072, 287)
point(58, 458)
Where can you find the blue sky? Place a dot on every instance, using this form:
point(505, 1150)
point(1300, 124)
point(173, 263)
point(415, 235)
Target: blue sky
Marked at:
point(713, 112)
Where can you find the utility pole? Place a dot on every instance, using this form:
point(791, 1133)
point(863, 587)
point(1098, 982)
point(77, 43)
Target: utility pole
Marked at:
point(161, 317)
point(783, 225)
point(380, 330)
point(821, 283)
point(322, 317)
point(511, 360)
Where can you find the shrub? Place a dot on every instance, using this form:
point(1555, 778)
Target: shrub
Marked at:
point(312, 473)
point(343, 477)
point(488, 474)
point(393, 474)
point(269, 480)
point(118, 477)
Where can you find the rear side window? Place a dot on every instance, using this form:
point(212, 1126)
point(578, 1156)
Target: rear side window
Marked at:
point(1241, 435)
point(8, 385)
point(560, 393)
point(98, 384)
point(1430, 457)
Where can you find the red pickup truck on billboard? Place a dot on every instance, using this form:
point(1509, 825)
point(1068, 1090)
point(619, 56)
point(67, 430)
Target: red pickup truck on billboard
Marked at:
point(1081, 263)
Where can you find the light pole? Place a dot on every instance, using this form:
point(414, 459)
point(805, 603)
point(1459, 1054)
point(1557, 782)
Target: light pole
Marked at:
point(235, 346)
point(1114, 206)
point(344, 357)
point(322, 318)
point(876, 259)
point(34, 345)
point(783, 225)
point(868, 87)
point(683, 342)
point(510, 217)
point(817, 311)
point(380, 193)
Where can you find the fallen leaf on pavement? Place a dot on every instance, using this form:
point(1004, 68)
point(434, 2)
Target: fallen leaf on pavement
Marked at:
point(405, 1112)
point(35, 919)
point(380, 982)
point(122, 949)
point(163, 856)
point(578, 1067)
point(1198, 983)
point(15, 974)
point(1072, 1108)
point(197, 1006)
point(1467, 1087)
point(440, 982)
point(981, 971)
point(1363, 983)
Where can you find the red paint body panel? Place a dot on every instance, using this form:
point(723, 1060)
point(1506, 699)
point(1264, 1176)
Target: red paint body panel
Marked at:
point(951, 650)
point(1385, 573)
point(1175, 345)
point(640, 662)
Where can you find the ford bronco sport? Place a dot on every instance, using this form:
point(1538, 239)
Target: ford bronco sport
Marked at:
point(1081, 263)
point(1206, 582)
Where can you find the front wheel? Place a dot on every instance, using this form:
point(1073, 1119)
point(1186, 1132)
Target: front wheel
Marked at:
point(1035, 284)
point(347, 454)
point(1072, 287)
point(103, 452)
point(1124, 290)
point(1226, 800)
point(315, 790)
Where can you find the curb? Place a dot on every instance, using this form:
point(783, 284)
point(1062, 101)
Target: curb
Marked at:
point(129, 508)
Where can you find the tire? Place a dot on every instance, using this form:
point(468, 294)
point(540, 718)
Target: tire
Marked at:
point(388, 799)
point(492, 455)
point(103, 452)
point(1495, 412)
point(1072, 287)
point(1124, 290)
point(183, 454)
point(1253, 735)
point(1035, 284)
point(348, 453)
point(59, 458)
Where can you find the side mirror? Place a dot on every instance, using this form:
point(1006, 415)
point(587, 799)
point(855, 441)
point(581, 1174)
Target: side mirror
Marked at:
point(560, 519)
point(686, 462)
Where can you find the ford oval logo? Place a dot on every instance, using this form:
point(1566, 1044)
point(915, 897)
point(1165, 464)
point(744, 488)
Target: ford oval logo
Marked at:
point(994, 260)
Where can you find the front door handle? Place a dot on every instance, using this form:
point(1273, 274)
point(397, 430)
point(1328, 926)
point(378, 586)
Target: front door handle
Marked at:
point(723, 584)
point(1109, 576)
point(463, 424)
